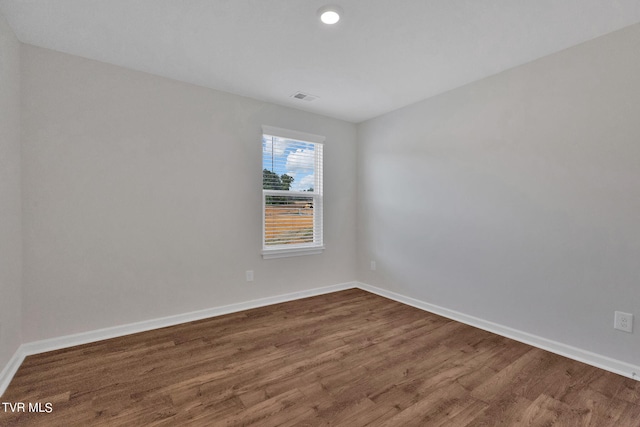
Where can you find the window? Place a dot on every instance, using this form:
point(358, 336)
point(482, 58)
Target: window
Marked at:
point(291, 193)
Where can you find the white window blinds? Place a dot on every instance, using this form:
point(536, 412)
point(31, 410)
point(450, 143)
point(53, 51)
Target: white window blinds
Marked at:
point(291, 193)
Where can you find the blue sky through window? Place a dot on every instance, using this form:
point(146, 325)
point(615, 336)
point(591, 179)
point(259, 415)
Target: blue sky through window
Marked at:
point(294, 158)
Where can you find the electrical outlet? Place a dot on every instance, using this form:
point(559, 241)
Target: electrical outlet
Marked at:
point(623, 321)
point(249, 274)
point(373, 266)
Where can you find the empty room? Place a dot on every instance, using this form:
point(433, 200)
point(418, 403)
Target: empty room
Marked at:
point(309, 213)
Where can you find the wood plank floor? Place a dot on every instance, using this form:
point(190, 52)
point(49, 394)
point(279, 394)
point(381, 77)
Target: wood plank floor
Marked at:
point(349, 358)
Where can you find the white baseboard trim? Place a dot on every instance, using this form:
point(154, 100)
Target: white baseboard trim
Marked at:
point(597, 360)
point(117, 331)
point(148, 325)
point(584, 356)
point(10, 369)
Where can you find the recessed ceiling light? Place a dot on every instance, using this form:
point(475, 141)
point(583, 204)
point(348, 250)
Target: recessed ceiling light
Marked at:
point(330, 14)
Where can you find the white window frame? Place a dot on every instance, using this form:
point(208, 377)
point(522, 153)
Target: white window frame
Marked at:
point(290, 250)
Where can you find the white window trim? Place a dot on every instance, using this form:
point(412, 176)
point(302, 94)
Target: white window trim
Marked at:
point(292, 134)
point(292, 250)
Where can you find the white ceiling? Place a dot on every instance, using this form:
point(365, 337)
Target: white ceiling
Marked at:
point(383, 54)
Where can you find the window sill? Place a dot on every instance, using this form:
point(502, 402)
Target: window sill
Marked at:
point(290, 252)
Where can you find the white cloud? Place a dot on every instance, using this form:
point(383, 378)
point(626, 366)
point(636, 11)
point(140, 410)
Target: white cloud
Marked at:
point(305, 183)
point(300, 161)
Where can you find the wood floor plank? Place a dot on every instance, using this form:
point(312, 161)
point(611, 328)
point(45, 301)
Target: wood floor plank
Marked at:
point(348, 358)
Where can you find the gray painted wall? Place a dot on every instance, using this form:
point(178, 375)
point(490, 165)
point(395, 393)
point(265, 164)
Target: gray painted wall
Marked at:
point(142, 197)
point(10, 196)
point(516, 199)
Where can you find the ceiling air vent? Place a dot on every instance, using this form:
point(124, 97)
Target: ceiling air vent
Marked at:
point(304, 96)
